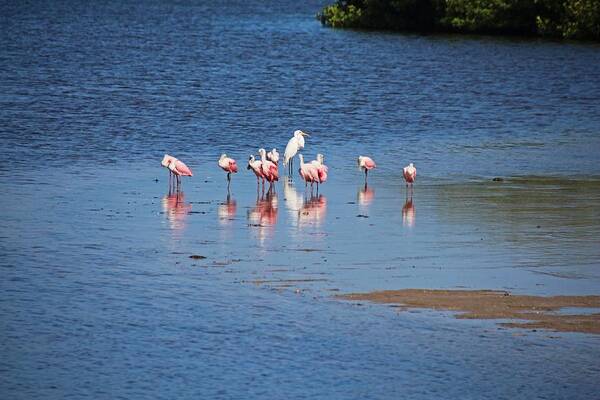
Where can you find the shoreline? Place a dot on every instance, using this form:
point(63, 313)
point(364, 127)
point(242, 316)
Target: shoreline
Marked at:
point(529, 312)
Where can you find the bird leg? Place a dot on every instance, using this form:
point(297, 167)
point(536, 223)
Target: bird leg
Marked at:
point(366, 173)
point(228, 180)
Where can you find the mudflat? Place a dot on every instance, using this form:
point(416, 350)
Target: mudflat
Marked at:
point(529, 311)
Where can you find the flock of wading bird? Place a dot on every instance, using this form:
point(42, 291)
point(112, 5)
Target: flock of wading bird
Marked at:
point(267, 168)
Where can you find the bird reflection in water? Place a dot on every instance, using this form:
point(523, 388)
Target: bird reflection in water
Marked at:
point(365, 197)
point(263, 217)
point(408, 213)
point(176, 210)
point(293, 201)
point(313, 211)
point(227, 210)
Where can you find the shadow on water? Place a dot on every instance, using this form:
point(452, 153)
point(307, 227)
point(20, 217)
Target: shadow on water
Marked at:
point(556, 217)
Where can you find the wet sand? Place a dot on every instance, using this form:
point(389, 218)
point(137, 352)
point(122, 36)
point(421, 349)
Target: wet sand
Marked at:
point(537, 311)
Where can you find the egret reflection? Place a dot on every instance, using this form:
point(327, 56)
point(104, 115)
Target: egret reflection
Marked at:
point(176, 210)
point(293, 201)
point(263, 217)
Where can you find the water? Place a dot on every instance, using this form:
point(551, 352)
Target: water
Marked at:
point(100, 298)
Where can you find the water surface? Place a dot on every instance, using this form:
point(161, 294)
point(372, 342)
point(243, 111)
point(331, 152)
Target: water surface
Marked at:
point(100, 298)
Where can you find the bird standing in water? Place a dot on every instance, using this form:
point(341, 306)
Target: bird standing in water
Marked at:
point(308, 172)
point(269, 168)
point(179, 169)
point(321, 169)
point(273, 156)
point(228, 165)
point(366, 164)
point(256, 167)
point(410, 174)
point(294, 144)
point(176, 168)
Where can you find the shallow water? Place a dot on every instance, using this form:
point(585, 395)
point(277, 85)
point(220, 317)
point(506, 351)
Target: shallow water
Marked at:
point(100, 297)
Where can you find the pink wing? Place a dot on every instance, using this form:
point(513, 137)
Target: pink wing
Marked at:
point(369, 164)
point(233, 166)
point(274, 171)
point(182, 168)
point(304, 174)
point(259, 169)
point(322, 174)
point(314, 173)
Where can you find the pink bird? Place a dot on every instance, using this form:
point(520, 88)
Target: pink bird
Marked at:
point(410, 174)
point(321, 169)
point(176, 167)
point(269, 168)
point(228, 165)
point(273, 155)
point(308, 172)
point(366, 164)
point(256, 167)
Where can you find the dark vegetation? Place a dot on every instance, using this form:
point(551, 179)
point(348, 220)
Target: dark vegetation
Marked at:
point(568, 19)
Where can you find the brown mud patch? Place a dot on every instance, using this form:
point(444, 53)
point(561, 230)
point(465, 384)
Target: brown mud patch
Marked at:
point(536, 312)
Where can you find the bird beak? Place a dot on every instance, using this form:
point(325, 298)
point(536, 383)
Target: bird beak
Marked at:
point(305, 134)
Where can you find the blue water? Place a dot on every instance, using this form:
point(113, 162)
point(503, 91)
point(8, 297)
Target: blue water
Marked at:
point(99, 297)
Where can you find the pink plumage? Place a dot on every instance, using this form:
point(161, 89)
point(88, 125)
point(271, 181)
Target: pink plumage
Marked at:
point(228, 164)
point(369, 163)
point(322, 174)
point(179, 168)
point(270, 171)
point(366, 164)
point(410, 173)
point(256, 167)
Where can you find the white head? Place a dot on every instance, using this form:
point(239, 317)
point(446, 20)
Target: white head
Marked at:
point(274, 151)
point(223, 156)
point(298, 133)
point(359, 162)
point(166, 160)
point(320, 158)
point(251, 158)
point(262, 152)
point(411, 165)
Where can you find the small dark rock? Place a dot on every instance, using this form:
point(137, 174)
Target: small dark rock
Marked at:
point(498, 179)
point(197, 257)
point(362, 216)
